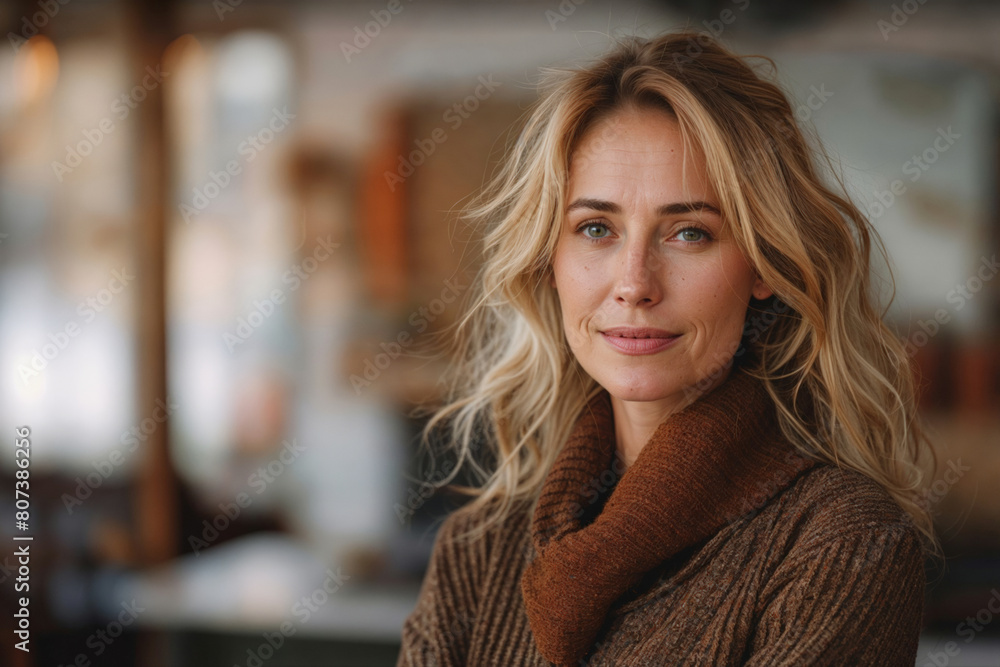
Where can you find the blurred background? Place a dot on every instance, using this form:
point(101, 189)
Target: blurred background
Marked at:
point(227, 226)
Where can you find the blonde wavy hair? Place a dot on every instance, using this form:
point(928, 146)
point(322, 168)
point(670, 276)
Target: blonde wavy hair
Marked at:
point(840, 378)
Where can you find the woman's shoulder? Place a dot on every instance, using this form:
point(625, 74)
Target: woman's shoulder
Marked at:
point(476, 526)
point(830, 502)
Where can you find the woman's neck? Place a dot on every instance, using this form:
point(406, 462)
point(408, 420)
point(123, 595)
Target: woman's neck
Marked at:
point(633, 428)
point(637, 421)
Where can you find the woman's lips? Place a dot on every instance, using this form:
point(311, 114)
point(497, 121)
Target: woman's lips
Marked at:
point(627, 343)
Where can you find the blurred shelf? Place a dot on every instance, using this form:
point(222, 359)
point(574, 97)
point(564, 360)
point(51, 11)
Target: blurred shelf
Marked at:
point(955, 652)
point(255, 584)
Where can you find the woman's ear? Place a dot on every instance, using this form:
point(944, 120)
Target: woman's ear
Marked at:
point(761, 290)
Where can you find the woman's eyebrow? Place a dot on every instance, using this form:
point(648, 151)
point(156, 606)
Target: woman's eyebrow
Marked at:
point(687, 207)
point(595, 205)
point(677, 208)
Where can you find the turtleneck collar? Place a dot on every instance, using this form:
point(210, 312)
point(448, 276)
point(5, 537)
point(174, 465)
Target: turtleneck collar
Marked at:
point(705, 466)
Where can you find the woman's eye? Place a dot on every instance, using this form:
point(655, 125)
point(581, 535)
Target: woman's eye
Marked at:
point(700, 234)
point(595, 230)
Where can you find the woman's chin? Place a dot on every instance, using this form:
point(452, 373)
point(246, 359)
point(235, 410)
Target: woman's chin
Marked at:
point(654, 390)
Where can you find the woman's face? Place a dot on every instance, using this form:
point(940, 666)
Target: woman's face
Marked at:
point(653, 291)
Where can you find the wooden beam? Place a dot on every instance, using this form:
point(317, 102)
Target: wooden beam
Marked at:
point(156, 506)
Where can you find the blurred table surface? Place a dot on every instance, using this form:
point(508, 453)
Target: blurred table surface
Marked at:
point(257, 583)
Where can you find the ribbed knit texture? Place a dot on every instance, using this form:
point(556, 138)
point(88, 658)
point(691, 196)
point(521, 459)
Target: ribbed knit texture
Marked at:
point(718, 546)
point(705, 465)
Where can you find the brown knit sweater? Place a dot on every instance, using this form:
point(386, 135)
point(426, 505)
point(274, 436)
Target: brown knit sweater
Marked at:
point(718, 546)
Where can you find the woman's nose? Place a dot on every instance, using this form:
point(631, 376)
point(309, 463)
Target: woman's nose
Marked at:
point(638, 281)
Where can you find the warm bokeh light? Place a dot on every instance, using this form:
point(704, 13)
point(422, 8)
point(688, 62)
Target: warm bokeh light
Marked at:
point(36, 69)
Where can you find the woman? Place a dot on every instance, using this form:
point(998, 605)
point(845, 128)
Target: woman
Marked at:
point(703, 438)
